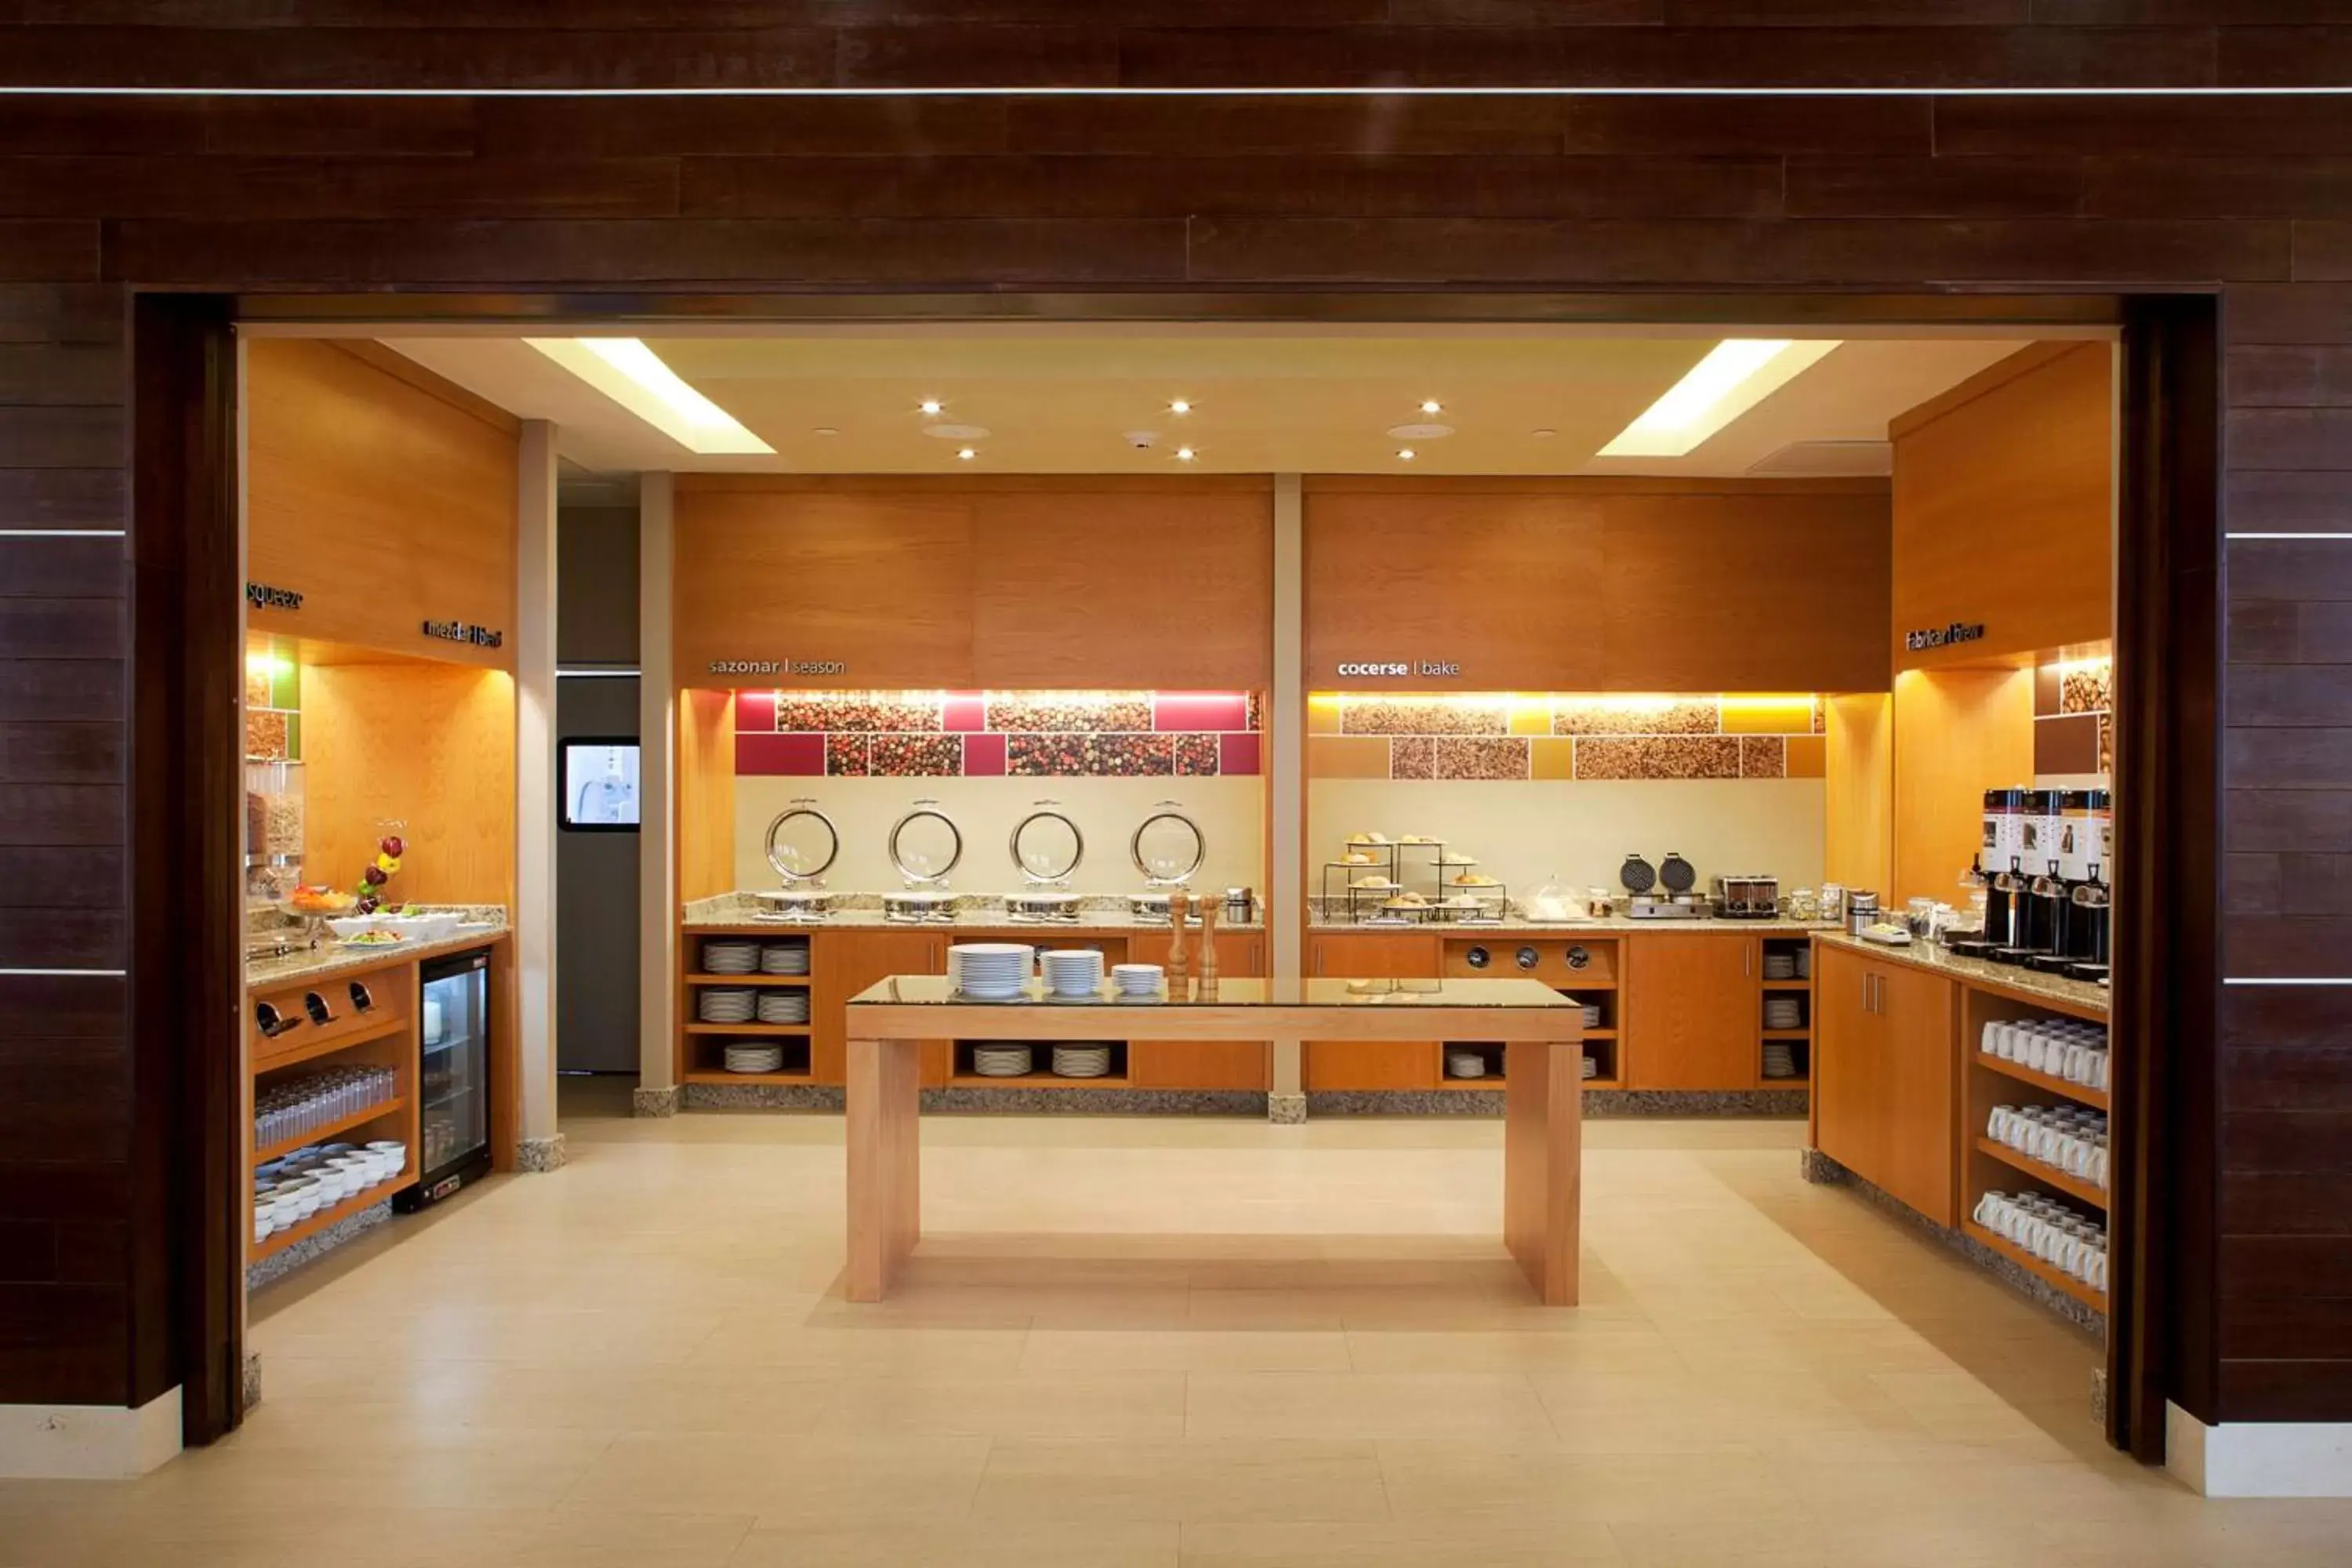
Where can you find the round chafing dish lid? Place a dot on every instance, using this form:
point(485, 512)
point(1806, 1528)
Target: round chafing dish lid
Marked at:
point(802, 843)
point(926, 844)
point(1169, 846)
point(1046, 845)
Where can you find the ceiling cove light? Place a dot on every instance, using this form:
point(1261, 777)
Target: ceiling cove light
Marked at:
point(632, 375)
point(1431, 406)
point(929, 405)
point(1180, 406)
point(1186, 454)
point(1737, 375)
point(966, 454)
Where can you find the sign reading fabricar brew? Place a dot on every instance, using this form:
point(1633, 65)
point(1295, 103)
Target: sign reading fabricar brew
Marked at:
point(778, 666)
point(1943, 637)
point(1435, 667)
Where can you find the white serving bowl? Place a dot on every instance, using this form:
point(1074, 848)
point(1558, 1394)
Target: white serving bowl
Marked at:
point(349, 926)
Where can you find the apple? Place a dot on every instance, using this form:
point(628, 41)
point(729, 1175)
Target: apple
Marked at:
point(392, 845)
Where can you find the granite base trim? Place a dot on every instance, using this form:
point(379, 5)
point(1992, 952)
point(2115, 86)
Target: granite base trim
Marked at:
point(279, 1264)
point(251, 1392)
point(1248, 1102)
point(1286, 1110)
point(1820, 1169)
point(654, 1101)
point(542, 1153)
point(1599, 1103)
point(758, 1097)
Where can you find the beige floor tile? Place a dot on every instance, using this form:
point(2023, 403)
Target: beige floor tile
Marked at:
point(1523, 1482)
point(1190, 1350)
point(786, 1541)
point(1137, 1405)
point(1249, 1406)
point(1230, 1481)
point(828, 1477)
point(1404, 1543)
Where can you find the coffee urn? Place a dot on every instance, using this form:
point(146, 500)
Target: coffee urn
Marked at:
point(2085, 844)
point(2000, 865)
point(2047, 892)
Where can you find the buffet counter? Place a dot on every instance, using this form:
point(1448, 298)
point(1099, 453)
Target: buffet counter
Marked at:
point(331, 959)
point(1516, 925)
point(2079, 997)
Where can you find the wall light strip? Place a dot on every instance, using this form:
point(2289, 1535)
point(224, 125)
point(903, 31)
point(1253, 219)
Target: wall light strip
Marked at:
point(595, 675)
point(63, 973)
point(62, 532)
point(632, 375)
point(1733, 377)
point(2292, 980)
point(1359, 91)
point(2326, 538)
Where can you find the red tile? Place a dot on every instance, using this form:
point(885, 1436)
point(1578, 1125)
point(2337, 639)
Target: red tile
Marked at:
point(966, 712)
point(1237, 753)
point(1200, 711)
point(983, 755)
point(793, 755)
point(756, 711)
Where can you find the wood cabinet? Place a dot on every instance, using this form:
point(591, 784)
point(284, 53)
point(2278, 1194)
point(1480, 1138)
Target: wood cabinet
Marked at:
point(843, 963)
point(1202, 1063)
point(1386, 1064)
point(1694, 1003)
point(1886, 1076)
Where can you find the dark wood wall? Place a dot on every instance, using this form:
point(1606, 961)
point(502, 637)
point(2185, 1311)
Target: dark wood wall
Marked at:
point(629, 199)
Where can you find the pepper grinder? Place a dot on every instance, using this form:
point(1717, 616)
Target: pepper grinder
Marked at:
point(1176, 956)
point(1208, 941)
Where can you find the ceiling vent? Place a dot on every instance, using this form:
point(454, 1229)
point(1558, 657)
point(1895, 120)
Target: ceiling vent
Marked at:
point(1827, 459)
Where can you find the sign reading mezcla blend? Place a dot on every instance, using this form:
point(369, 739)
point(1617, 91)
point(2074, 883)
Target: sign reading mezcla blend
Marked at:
point(1424, 666)
point(1944, 637)
point(465, 632)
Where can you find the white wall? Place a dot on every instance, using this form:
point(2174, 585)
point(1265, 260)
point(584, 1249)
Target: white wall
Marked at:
point(1231, 812)
point(1526, 832)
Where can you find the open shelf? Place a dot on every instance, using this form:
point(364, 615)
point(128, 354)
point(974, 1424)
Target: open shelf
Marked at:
point(1788, 1033)
point(1037, 1081)
point(788, 1029)
point(366, 1197)
point(1795, 1080)
point(746, 980)
point(723, 1076)
point(266, 1152)
point(2095, 1300)
point(310, 1050)
point(1787, 985)
point(2081, 1093)
point(2073, 1186)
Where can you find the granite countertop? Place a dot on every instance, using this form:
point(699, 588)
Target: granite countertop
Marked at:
point(974, 911)
point(2081, 993)
point(1615, 925)
point(330, 958)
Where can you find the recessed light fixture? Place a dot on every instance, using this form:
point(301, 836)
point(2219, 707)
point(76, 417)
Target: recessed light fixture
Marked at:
point(1735, 376)
point(1185, 454)
point(632, 375)
point(1420, 430)
point(1180, 406)
point(967, 453)
point(956, 432)
point(929, 405)
point(1543, 434)
point(825, 430)
point(1431, 406)
point(1404, 454)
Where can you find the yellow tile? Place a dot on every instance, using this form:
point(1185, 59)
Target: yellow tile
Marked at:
point(1551, 757)
point(1531, 715)
point(1323, 713)
point(1348, 756)
point(1767, 715)
point(1807, 756)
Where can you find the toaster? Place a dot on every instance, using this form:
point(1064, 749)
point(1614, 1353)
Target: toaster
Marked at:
point(1747, 898)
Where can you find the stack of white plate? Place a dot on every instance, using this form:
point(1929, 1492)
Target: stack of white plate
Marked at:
point(1081, 1061)
point(994, 970)
point(1591, 1066)
point(1779, 966)
point(1464, 1064)
point(730, 957)
point(1001, 1061)
point(755, 1059)
point(1592, 1015)
point(1805, 962)
point(784, 958)
point(1074, 971)
point(1137, 979)
point(784, 1007)
point(716, 1006)
point(1783, 1012)
point(1779, 1059)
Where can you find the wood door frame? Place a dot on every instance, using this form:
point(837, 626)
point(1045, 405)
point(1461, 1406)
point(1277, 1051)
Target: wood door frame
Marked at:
point(2170, 438)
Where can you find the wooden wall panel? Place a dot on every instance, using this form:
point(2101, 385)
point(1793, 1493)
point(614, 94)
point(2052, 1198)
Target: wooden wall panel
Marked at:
point(1859, 790)
point(1571, 585)
point(2004, 508)
point(1957, 732)
point(383, 496)
point(706, 793)
point(432, 745)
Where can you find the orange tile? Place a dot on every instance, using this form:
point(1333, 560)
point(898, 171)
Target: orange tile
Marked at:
point(1347, 756)
point(1322, 713)
point(1551, 758)
point(1808, 757)
point(1767, 715)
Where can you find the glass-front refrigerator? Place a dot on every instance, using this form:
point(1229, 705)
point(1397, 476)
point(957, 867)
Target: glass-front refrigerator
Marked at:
point(455, 1020)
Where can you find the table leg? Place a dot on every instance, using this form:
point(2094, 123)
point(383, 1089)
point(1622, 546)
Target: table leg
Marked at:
point(1543, 1150)
point(882, 1103)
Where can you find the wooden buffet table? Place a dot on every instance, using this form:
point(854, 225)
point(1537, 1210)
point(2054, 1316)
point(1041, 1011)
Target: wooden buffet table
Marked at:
point(1541, 1031)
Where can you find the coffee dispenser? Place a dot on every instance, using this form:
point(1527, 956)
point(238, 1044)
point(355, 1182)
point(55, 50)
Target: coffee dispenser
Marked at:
point(2047, 895)
point(2087, 830)
point(2001, 863)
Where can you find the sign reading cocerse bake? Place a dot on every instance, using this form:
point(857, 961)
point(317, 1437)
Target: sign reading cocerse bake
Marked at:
point(1390, 669)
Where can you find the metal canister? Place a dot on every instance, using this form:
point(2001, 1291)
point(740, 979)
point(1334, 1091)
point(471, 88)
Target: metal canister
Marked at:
point(1860, 911)
point(1241, 905)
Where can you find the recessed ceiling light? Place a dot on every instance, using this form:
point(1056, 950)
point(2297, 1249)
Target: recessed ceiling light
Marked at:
point(1180, 406)
point(632, 375)
point(1735, 376)
point(823, 430)
point(956, 432)
point(967, 454)
point(1183, 454)
point(929, 405)
point(1404, 454)
point(1431, 406)
point(1543, 434)
point(1420, 430)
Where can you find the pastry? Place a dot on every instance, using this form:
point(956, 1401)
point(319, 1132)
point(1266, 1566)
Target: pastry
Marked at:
point(1371, 884)
point(1355, 857)
point(1473, 879)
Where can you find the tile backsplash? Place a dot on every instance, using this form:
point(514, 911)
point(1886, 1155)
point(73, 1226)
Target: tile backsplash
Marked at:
point(985, 735)
point(2074, 718)
point(1497, 736)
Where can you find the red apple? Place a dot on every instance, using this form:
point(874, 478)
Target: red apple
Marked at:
point(392, 845)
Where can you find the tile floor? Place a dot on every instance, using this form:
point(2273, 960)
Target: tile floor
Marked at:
point(1156, 1342)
